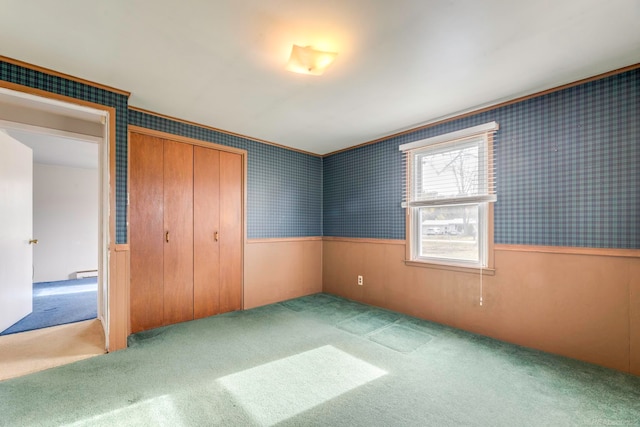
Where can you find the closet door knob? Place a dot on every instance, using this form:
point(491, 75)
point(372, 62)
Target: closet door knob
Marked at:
point(166, 236)
point(215, 236)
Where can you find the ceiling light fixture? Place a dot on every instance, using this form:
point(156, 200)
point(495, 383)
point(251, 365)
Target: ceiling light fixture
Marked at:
point(307, 60)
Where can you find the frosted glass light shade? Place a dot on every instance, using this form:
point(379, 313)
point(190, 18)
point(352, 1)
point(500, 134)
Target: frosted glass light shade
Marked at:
point(306, 60)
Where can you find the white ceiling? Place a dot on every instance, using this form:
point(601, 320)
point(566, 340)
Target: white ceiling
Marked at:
point(400, 63)
point(59, 134)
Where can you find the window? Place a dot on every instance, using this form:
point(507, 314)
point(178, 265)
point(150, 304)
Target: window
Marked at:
point(448, 197)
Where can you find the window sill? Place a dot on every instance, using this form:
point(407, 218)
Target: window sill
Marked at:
point(452, 267)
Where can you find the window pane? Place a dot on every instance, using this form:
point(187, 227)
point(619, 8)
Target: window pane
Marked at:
point(449, 232)
point(450, 171)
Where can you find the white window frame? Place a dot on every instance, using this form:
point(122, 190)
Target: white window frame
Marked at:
point(484, 201)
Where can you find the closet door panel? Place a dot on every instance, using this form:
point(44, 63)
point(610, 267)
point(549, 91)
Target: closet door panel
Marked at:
point(230, 231)
point(146, 228)
point(178, 236)
point(206, 252)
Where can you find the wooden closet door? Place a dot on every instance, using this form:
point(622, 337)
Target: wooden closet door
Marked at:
point(178, 232)
point(230, 232)
point(206, 220)
point(146, 229)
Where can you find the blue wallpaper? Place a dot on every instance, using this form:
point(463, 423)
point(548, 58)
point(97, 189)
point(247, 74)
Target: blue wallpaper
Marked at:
point(58, 85)
point(363, 190)
point(568, 169)
point(284, 187)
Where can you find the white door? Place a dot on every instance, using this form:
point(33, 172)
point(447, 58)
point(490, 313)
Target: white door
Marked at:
point(16, 202)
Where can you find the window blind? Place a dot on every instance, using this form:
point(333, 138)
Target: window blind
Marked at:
point(453, 168)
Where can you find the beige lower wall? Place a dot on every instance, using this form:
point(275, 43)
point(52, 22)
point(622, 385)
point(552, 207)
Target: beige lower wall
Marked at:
point(278, 270)
point(274, 270)
point(119, 276)
point(582, 306)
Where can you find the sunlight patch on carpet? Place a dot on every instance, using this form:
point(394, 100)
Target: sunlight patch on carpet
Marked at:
point(64, 290)
point(279, 390)
point(153, 412)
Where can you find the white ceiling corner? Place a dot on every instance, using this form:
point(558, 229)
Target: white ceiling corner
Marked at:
point(400, 64)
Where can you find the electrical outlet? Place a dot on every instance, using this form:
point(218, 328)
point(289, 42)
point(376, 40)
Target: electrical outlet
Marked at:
point(360, 280)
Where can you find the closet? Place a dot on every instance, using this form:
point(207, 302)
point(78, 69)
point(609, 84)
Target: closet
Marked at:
point(185, 231)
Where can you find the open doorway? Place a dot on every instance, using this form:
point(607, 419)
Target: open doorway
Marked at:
point(66, 201)
point(53, 122)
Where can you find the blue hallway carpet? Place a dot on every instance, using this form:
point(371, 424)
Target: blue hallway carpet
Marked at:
point(58, 303)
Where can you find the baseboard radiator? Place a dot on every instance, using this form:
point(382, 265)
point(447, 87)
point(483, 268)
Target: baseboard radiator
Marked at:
point(86, 273)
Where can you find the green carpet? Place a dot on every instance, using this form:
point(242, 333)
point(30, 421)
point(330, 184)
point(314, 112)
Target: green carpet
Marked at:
point(320, 360)
point(369, 321)
point(400, 338)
